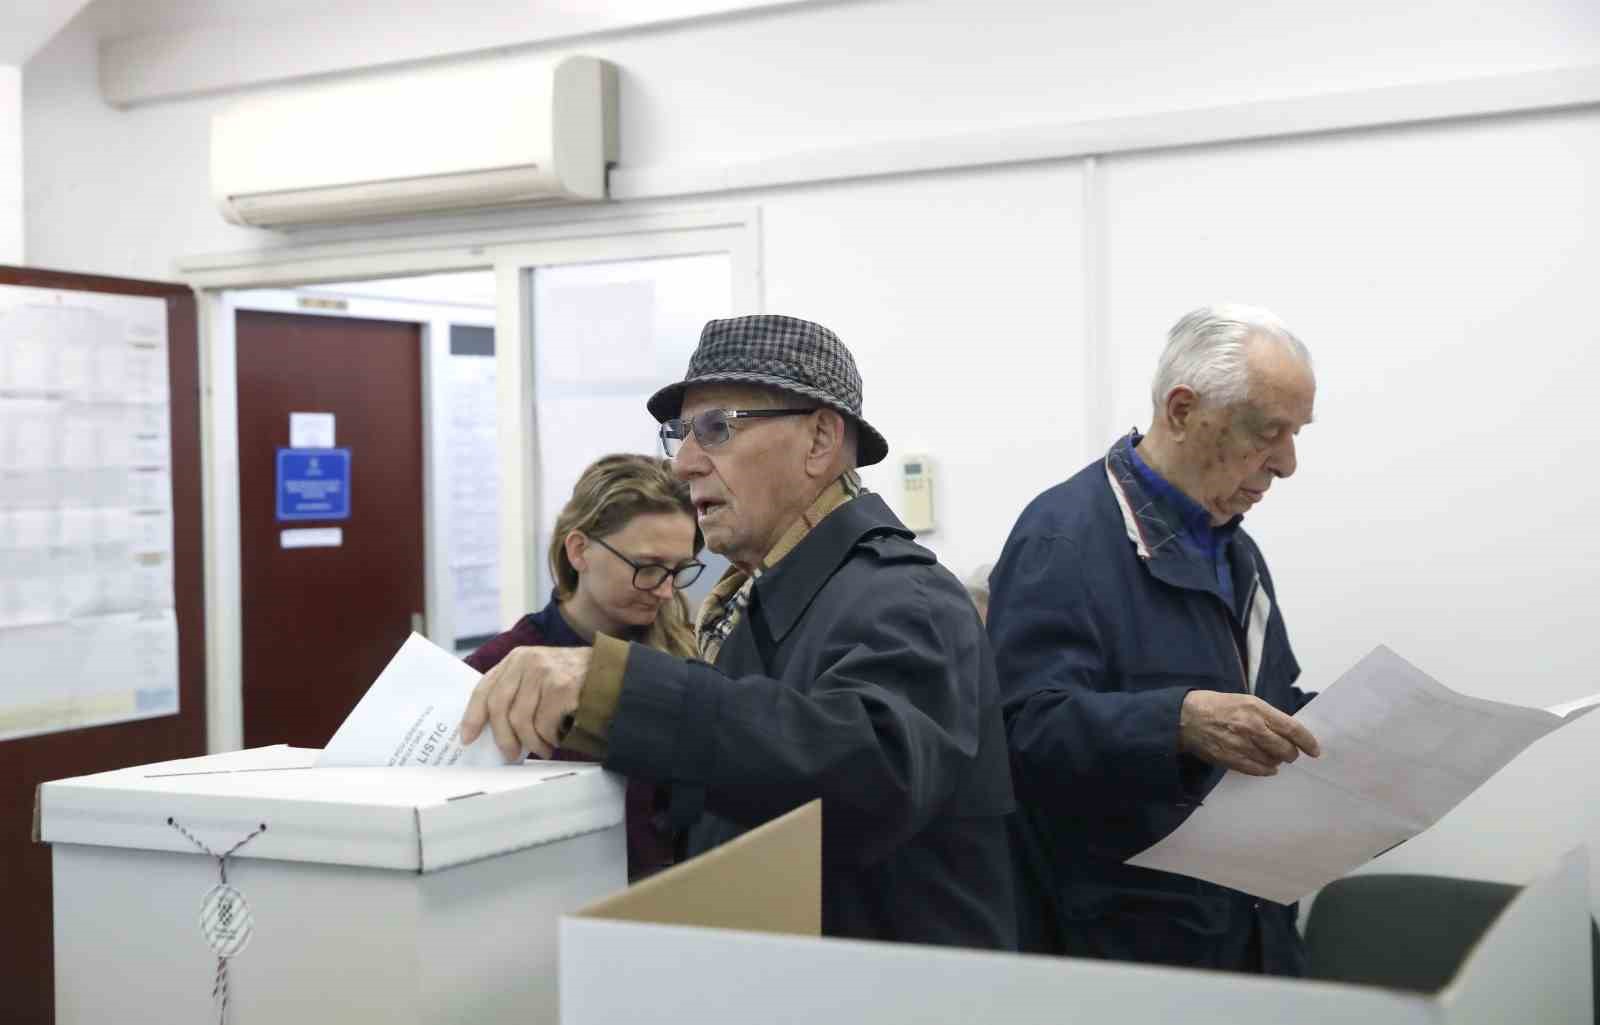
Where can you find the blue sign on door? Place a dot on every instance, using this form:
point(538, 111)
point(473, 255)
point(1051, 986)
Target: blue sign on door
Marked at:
point(313, 484)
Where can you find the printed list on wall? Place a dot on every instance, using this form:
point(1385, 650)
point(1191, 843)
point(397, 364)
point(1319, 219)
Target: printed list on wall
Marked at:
point(87, 619)
point(474, 485)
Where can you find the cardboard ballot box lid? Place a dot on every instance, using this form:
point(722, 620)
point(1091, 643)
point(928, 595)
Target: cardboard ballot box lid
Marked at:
point(412, 818)
point(731, 937)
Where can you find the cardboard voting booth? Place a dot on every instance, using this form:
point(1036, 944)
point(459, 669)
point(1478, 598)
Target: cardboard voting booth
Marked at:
point(732, 937)
point(394, 895)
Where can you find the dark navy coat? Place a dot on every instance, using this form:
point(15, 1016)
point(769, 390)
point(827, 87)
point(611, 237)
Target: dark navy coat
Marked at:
point(860, 674)
point(1102, 621)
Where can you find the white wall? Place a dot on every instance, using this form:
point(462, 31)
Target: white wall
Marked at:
point(11, 230)
point(165, 52)
point(110, 192)
point(126, 192)
point(1440, 272)
point(961, 297)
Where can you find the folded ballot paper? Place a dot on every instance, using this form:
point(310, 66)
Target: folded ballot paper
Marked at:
point(1399, 750)
point(411, 715)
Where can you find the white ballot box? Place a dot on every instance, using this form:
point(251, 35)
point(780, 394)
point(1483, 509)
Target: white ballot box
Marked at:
point(731, 937)
point(394, 895)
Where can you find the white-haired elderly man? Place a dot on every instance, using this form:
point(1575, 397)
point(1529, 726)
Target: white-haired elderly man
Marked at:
point(1142, 653)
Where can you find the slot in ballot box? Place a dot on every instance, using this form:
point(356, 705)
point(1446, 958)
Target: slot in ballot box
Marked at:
point(732, 936)
point(394, 895)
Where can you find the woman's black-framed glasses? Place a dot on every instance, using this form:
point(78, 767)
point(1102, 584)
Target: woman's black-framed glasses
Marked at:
point(714, 426)
point(647, 576)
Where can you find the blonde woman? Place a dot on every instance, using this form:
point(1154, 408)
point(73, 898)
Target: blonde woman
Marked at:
point(621, 551)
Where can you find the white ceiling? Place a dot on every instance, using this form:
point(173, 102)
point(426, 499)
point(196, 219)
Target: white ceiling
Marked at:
point(159, 17)
point(157, 50)
point(26, 25)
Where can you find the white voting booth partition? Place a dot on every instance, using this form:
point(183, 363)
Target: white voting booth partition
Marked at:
point(732, 938)
point(394, 895)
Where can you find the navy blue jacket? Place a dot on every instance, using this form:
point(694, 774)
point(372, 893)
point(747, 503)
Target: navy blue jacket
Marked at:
point(859, 674)
point(1101, 622)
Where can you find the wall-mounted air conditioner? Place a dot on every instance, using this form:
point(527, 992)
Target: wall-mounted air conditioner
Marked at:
point(423, 141)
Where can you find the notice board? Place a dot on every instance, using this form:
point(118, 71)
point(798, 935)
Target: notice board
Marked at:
point(101, 596)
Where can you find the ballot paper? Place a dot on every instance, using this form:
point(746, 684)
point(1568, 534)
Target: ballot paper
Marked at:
point(1399, 750)
point(411, 715)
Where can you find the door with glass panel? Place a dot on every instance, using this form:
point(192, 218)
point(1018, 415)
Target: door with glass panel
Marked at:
point(605, 337)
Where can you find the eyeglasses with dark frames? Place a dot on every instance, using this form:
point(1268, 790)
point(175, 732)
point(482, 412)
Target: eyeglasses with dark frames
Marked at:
point(647, 576)
point(714, 426)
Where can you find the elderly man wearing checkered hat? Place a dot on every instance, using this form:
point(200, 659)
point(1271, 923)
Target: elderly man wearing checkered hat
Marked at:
point(839, 660)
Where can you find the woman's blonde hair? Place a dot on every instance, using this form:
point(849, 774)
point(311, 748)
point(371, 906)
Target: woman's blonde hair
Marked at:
point(611, 492)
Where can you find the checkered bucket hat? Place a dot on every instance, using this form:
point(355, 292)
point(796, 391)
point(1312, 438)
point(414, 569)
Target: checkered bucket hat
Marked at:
point(794, 355)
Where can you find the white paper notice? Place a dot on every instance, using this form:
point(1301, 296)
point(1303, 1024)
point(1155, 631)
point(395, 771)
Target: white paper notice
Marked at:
point(87, 672)
point(412, 713)
point(310, 430)
point(477, 603)
point(1399, 750)
point(474, 515)
point(86, 575)
point(313, 537)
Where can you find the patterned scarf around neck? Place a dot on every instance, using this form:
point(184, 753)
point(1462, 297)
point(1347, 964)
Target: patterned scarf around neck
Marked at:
point(725, 605)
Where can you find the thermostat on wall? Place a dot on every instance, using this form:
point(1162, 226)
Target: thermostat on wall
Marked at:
point(918, 505)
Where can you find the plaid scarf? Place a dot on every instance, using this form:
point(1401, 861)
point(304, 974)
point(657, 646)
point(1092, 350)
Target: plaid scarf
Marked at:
point(725, 605)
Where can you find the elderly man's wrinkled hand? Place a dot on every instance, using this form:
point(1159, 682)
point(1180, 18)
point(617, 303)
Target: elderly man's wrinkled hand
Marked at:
point(1241, 732)
point(528, 700)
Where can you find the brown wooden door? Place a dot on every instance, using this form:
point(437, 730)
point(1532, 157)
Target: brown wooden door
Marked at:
point(320, 623)
point(27, 972)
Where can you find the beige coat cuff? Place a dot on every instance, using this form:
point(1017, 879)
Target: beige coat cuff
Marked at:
point(602, 689)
